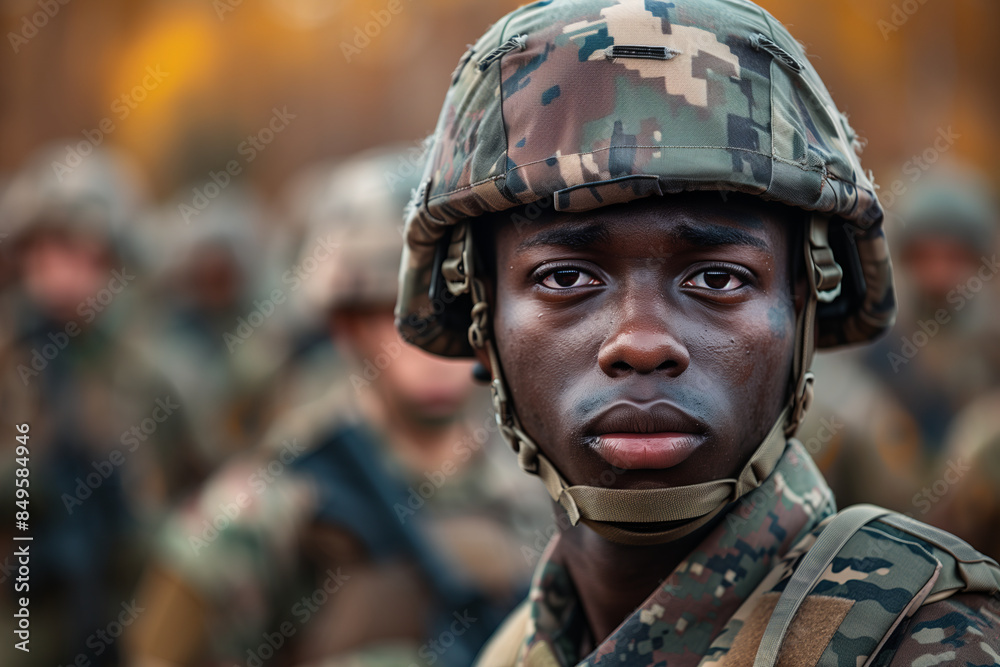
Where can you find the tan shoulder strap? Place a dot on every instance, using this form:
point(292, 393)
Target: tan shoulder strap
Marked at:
point(833, 538)
point(949, 566)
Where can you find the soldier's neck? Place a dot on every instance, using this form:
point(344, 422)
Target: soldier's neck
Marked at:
point(612, 580)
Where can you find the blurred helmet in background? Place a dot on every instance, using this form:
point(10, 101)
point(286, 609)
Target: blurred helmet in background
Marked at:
point(352, 214)
point(67, 226)
point(100, 196)
point(951, 202)
point(944, 228)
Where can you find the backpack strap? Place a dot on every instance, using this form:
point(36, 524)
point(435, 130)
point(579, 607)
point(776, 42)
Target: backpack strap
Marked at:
point(815, 562)
point(887, 565)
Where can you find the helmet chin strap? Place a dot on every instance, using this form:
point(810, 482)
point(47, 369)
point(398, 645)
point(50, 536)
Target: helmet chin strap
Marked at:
point(619, 515)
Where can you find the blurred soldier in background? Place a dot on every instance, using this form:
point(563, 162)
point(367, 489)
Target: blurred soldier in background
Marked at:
point(374, 526)
point(109, 445)
point(882, 440)
point(207, 272)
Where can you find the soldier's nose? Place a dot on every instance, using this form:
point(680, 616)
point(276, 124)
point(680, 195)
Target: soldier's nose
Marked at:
point(642, 351)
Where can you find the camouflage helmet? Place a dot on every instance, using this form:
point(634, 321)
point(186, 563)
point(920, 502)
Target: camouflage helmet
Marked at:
point(576, 105)
point(356, 207)
point(100, 196)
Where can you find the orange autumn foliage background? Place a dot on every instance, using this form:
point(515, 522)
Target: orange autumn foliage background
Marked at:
point(901, 76)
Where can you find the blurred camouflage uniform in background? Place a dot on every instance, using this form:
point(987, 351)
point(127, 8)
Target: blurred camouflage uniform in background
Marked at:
point(881, 418)
point(110, 446)
point(215, 328)
point(969, 506)
point(579, 105)
point(346, 539)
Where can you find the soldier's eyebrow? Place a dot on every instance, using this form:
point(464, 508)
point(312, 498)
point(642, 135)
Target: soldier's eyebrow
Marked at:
point(568, 237)
point(715, 235)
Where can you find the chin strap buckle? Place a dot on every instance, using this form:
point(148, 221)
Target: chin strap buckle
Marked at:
point(519, 441)
point(458, 272)
point(510, 429)
point(825, 275)
point(456, 268)
point(478, 327)
point(527, 451)
point(523, 446)
point(803, 401)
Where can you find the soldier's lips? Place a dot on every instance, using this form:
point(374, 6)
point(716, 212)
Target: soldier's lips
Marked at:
point(645, 435)
point(647, 451)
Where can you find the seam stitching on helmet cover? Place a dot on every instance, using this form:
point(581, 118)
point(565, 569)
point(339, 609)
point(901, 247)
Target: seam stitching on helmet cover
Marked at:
point(599, 150)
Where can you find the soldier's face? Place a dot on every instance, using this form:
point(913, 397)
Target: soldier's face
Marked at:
point(61, 270)
point(412, 384)
point(655, 338)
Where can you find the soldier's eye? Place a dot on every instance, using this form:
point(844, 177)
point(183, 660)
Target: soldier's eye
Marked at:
point(568, 278)
point(716, 280)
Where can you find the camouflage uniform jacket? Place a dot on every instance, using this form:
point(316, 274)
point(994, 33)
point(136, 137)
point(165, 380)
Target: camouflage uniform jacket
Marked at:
point(713, 608)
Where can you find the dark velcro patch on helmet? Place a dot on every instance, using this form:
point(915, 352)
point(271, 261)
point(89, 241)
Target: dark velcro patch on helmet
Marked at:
point(637, 51)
